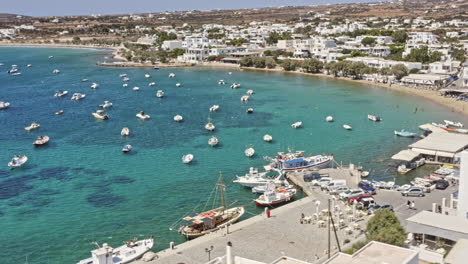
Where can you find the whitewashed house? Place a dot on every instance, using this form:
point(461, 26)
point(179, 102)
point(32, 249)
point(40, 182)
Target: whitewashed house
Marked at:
point(171, 44)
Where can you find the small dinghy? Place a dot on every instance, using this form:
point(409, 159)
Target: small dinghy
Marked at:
point(267, 138)
point(100, 114)
point(187, 158)
point(245, 98)
point(160, 94)
point(250, 92)
point(50, 57)
point(125, 132)
point(125, 85)
point(235, 85)
point(84, 80)
point(249, 152)
point(347, 127)
point(78, 96)
point(32, 127)
point(453, 124)
point(60, 93)
point(147, 75)
point(127, 148)
point(143, 116)
point(178, 118)
point(213, 141)
point(59, 112)
point(4, 105)
point(122, 75)
point(249, 110)
point(151, 84)
point(94, 86)
point(136, 88)
point(364, 174)
point(374, 118)
point(403, 133)
point(214, 108)
point(329, 119)
point(210, 126)
point(56, 71)
point(29, 65)
point(171, 75)
point(221, 82)
point(41, 140)
point(17, 161)
point(105, 105)
point(125, 79)
point(178, 84)
point(297, 124)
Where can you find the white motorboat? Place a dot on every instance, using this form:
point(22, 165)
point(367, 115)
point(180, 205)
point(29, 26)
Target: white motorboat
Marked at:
point(178, 118)
point(59, 112)
point(365, 174)
point(275, 197)
point(160, 94)
point(94, 86)
point(16, 73)
point(84, 80)
point(261, 189)
point(106, 104)
point(147, 75)
point(17, 161)
point(245, 98)
point(255, 178)
point(221, 82)
point(297, 124)
point(453, 124)
point(213, 141)
point(267, 138)
point(136, 88)
point(329, 119)
point(56, 71)
point(125, 85)
point(178, 84)
point(374, 118)
point(235, 85)
point(127, 148)
point(131, 251)
point(210, 126)
point(50, 57)
point(125, 132)
point(60, 93)
point(4, 105)
point(249, 110)
point(187, 158)
point(214, 108)
point(78, 96)
point(143, 116)
point(29, 65)
point(403, 133)
point(32, 127)
point(171, 75)
point(249, 152)
point(125, 79)
point(41, 140)
point(100, 114)
point(151, 84)
point(347, 127)
point(122, 75)
point(250, 92)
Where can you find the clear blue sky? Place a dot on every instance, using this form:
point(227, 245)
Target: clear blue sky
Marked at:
point(87, 7)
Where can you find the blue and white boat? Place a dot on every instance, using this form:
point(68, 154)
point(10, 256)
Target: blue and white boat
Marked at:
point(404, 133)
point(296, 161)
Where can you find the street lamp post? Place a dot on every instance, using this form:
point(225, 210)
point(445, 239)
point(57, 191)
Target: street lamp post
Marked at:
point(208, 251)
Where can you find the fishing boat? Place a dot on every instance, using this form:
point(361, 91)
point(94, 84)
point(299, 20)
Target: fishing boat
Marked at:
point(125, 85)
point(297, 124)
point(131, 251)
point(59, 112)
point(214, 108)
point(143, 116)
point(296, 161)
point(160, 94)
point(56, 71)
point(213, 141)
point(178, 118)
point(374, 118)
point(250, 92)
point(187, 158)
point(125, 132)
point(147, 75)
point(32, 127)
point(136, 88)
point(453, 124)
point(100, 114)
point(347, 127)
point(94, 86)
point(403, 133)
point(78, 96)
point(178, 84)
point(249, 152)
point(105, 105)
point(4, 105)
point(41, 140)
point(245, 98)
point(275, 197)
point(267, 138)
point(210, 126)
point(60, 93)
point(151, 84)
point(214, 219)
point(254, 178)
point(249, 110)
point(171, 75)
point(261, 189)
point(329, 119)
point(364, 174)
point(235, 85)
point(221, 82)
point(127, 148)
point(17, 161)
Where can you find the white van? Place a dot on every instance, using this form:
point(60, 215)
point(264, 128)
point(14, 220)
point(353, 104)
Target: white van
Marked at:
point(333, 184)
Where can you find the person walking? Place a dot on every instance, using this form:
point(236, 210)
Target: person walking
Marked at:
point(413, 205)
point(408, 204)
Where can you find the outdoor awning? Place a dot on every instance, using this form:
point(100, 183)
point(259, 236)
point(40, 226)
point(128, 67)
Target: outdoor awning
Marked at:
point(406, 155)
point(424, 151)
point(445, 154)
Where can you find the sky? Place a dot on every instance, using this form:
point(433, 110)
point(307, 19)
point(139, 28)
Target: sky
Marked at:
point(88, 7)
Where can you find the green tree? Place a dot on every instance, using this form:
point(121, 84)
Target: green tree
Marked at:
point(268, 53)
point(312, 66)
point(385, 227)
point(414, 70)
point(367, 41)
point(237, 42)
point(399, 70)
point(289, 65)
point(419, 55)
point(176, 52)
point(435, 56)
point(458, 54)
point(258, 62)
point(399, 36)
point(385, 71)
point(270, 63)
point(246, 62)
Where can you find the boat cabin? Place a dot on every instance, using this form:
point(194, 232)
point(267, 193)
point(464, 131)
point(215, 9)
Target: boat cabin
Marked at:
point(295, 163)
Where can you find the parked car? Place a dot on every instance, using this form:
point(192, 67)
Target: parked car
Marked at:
point(367, 187)
point(333, 184)
point(376, 207)
point(350, 193)
point(311, 176)
point(413, 191)
point(321, 181)
point(441, 184)
point(359, 197)
point(339, 189)
point(365, 203)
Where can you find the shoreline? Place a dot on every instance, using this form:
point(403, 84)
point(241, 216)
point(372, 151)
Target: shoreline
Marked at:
point(431, 95)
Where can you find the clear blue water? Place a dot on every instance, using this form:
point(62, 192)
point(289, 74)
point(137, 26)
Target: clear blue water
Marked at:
point(81, 188)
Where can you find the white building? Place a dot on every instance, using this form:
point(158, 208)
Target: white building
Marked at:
point(171, 44)
point(7, 32)
point(378, 39)
point(424, 37)
point(382, 63)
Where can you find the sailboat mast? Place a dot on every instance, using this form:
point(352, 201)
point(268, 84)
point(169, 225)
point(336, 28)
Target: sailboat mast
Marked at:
point(221, 186)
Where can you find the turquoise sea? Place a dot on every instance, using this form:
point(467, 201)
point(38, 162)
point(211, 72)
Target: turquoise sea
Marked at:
point(81, 188)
